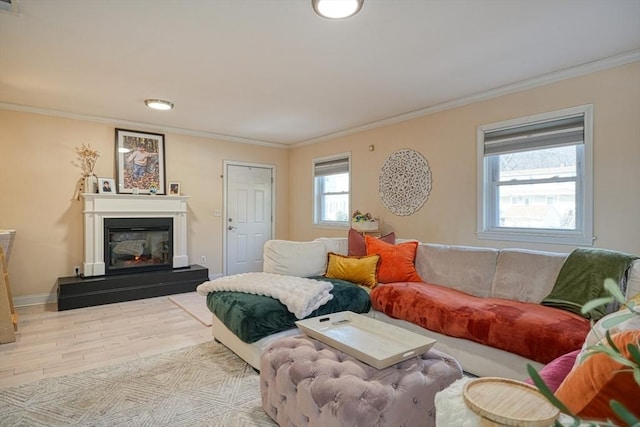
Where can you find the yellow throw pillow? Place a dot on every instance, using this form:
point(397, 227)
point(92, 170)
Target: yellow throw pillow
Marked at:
point(362, 270)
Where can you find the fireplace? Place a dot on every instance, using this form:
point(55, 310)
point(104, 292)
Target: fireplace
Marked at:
point(100, 209)
point(137, 244)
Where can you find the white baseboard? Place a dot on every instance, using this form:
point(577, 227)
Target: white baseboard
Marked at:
point(35, 299)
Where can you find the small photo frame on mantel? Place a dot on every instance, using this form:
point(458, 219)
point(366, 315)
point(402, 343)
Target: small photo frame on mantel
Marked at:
point(174, 188)
point(106, 186)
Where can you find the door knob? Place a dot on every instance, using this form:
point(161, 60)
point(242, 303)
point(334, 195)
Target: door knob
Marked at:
point(231, 227)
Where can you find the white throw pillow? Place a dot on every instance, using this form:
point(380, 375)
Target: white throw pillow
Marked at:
point(302, 259)
point(633, 280)
point(598, 333)
point(337, 245)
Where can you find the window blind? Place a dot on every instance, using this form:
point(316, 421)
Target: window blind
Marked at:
point(331, 167)
point(554, 133)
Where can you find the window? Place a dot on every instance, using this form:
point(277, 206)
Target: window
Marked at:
point(535, 178)
point(331, 188)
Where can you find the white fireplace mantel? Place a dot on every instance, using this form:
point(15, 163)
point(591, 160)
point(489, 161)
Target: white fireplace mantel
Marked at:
point(97, 207)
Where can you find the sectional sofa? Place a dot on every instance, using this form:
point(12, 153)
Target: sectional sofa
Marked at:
point(482, 305)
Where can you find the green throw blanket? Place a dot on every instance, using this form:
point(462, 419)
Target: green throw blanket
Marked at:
point(582, 276)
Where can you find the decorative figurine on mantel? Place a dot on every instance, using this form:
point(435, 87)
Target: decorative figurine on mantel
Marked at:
point(88, 182)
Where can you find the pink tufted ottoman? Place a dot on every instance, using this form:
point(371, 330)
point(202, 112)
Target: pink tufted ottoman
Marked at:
point(304, 382)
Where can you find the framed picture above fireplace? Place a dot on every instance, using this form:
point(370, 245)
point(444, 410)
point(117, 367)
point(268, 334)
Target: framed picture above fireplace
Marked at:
point(140, 164)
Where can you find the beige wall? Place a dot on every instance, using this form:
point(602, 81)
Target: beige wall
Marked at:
point(37, 183)
point(448, 142)
point(37, 177)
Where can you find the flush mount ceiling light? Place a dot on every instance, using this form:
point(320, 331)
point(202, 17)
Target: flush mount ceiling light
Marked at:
point(158, 104)
point(336, 9)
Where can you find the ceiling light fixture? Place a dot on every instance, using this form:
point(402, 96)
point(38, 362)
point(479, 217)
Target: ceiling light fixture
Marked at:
point(158, 104)
point(337, 9)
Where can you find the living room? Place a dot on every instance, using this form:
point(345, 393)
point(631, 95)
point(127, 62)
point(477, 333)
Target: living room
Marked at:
point(38, 149)
point(446, 137)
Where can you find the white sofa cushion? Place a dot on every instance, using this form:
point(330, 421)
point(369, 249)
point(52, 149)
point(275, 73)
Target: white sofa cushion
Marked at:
point(526, 275)
point(465, 268)
point(337, 245)
point(633, 280)
point(302, 259)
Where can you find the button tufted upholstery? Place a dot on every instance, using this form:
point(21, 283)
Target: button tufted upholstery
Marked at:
point(304, 382)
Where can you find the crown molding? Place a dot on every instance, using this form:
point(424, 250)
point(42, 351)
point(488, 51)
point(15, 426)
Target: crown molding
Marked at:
point(545, 79)
point(138, 125)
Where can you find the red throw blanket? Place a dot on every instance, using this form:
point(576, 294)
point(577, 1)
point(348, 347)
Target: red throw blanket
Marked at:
point(531, 330)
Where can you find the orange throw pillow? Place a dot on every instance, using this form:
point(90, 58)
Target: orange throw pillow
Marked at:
point(590, 386)
point(396, 261)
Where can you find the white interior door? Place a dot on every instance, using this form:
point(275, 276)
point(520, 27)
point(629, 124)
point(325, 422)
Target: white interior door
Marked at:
point(248, 219)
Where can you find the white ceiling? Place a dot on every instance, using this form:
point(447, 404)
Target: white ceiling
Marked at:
point(273, 71)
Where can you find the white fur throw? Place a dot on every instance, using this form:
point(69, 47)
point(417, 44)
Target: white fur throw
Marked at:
point(301, 296)
point(451, 410)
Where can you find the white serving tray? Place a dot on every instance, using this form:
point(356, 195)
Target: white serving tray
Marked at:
point(371, 341)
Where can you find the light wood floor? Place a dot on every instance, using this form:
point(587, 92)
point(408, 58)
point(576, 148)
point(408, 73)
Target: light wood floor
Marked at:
point(51, 343)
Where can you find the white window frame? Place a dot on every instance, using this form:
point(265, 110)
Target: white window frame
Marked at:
point(317, 193)
point(487, 222)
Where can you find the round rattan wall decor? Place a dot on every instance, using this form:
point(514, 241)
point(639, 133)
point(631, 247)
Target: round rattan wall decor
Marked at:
point(404, 183)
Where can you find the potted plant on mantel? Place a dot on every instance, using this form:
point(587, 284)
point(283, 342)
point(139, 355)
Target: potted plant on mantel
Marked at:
point(631, 364)
point(88, 182)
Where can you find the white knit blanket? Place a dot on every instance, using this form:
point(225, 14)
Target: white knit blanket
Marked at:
point(301, 296)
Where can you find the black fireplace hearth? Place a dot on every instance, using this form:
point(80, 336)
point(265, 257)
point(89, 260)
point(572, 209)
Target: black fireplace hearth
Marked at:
point(77, 292)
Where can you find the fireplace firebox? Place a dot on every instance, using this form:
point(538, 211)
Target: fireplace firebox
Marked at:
point(137, 245)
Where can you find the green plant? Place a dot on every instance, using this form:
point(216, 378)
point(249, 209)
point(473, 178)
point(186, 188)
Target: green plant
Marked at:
point(610, 349)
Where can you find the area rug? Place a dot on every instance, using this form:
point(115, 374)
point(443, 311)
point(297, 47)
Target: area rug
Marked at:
point(204, 385)
point(195, 305)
